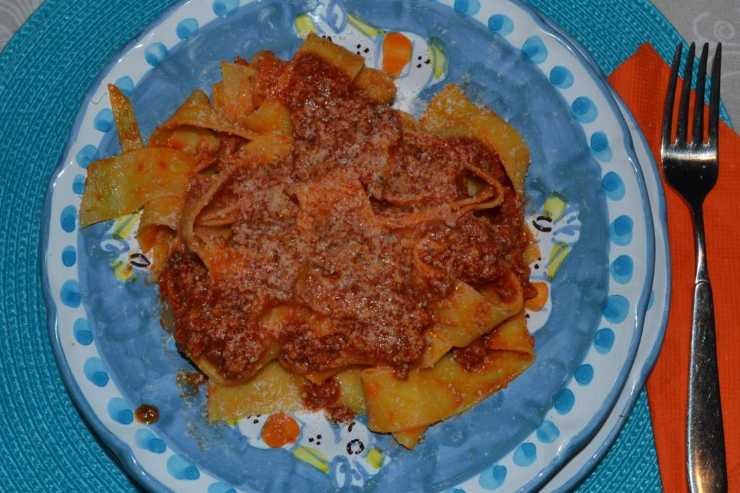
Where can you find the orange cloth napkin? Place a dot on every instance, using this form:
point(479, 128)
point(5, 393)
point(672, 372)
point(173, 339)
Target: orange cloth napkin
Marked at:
point(641, 82)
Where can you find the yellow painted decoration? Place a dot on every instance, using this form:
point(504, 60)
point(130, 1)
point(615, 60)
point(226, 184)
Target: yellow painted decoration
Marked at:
point(122, 270)
point(312, 457)
point(375, 457)
point(364, 27)
point(554, 207)
point(304, 26)
point(124, 226)
point(558, 254)
point(438, 58)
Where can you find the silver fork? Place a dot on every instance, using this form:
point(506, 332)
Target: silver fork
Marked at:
point(691, 167)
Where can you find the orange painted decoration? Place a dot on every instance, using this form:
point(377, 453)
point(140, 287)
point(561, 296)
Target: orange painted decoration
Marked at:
point(397, 53)
point(280, 430)
point(538, 302)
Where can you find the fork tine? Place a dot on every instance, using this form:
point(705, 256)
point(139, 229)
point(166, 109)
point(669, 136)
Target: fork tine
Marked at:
point(699, 103)
point(683, 110)
point(714, 96)
point(670, 97)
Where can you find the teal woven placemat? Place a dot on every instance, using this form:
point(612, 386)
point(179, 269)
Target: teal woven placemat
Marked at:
point(45, 72)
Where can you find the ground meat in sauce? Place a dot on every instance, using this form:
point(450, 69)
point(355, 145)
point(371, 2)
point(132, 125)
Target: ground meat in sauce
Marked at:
point(325, 396)
point(314, 230)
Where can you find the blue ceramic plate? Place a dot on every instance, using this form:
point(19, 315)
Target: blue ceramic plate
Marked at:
point(597, 244)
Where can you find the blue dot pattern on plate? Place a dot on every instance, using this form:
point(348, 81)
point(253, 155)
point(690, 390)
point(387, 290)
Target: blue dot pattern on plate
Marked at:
point(86, 155)
point(604, 340)
point(534, 50)
point(525, 454)
point(584, 374)
point(500, 24)
point(120, 411)
point(69, 256)
point(149, 441)
point(181, 469)
point(155, 53)
point(620, 230)
point(564, 401)
point(584, 110)
point(561, 77)
point(126, 85)
point(622, 269)
point(600, 147)
point(548, 432)
point(78, 185)
point(222, 8)
point(104, 120)
point(82, 332)
point(70, 294)
point(68, 218)
point(95, 372)
point(467, 7)
point(493, 477)
point(187, 28)
point(221, 487)
point(616, 308)
point(613, 186)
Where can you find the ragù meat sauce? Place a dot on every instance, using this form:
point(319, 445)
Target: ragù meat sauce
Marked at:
point(340, 235)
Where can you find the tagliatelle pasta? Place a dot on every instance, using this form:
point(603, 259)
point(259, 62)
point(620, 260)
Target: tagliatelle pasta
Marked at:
point(317, 249)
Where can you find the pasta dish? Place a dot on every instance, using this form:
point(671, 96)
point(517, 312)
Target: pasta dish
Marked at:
point(317, 249)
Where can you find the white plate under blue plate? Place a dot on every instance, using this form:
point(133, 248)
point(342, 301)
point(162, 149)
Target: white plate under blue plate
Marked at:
point(105, 326)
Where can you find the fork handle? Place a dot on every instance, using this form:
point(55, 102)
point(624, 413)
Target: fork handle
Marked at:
point(705, 436)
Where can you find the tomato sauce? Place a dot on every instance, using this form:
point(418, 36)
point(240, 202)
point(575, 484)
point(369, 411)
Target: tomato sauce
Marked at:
point(327, 231)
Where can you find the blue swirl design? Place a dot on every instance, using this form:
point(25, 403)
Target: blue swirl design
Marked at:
point(564, 401)
point(120, 411)
point(616, 308)
point(613, 186)
point(222, 8)
point(467, 7)
point(187, 28)
point(181, 469)
point(548, 432)
point(561, 77)
point(525, 454)
point(534, 50)
point(149, 441)
point(82, 332)
point(493, 477)
point(104, 120)
point(70, 294)
point(155, 53)
point(584, 110)
point(584, 374)
point(126, 85)
point(69, 256)
point(500, 24)
point(604, 340)
point(600, 147)
point(86, 155)
point(622, 269)
point(620, 230)
point(95, 372)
